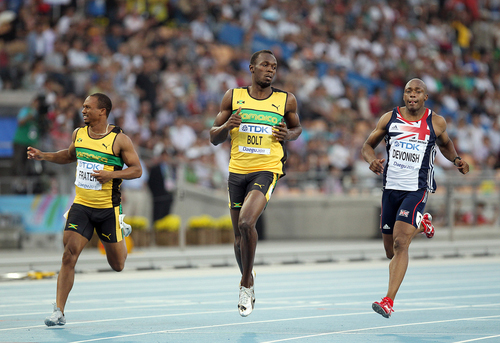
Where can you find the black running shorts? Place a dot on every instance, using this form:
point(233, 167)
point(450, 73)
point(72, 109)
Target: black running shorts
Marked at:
point(239, 185)
point(83, 219)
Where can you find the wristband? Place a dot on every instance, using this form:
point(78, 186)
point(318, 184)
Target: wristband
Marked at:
point(456, 158)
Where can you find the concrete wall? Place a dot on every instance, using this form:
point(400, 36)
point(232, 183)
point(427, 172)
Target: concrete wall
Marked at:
point(322, 217)
point(194, 201)
point(304, 217)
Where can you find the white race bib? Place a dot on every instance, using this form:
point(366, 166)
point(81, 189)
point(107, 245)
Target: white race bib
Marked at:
point(84, 178)
point(255, 139)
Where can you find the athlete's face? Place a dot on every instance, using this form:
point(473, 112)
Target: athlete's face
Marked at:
point(415, 95)
point(264, 70)
point(90, 111)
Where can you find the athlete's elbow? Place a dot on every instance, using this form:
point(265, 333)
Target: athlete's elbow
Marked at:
point(365, 148)
point(215, 141)
point(136, 173)
point(296, 133)
point(217, 137)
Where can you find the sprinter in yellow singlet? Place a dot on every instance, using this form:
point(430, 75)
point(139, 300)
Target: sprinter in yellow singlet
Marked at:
point(259, 118)
point(100, 151)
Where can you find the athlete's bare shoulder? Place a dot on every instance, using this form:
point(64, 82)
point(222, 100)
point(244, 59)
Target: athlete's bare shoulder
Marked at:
point(384, 119)
point(439, 123)
point(291, 102)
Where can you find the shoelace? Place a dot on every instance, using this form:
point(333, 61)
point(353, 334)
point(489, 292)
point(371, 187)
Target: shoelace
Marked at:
point(387, 306)
point(55, 307)
point(56, 316)
point(247, 295)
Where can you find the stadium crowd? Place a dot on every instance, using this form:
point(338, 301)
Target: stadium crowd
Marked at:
point(167, 63)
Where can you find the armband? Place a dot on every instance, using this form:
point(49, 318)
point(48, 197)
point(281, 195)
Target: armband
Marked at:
point(456, 158)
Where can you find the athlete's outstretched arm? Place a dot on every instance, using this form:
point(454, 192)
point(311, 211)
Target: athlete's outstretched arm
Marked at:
point(290, 129)
point(60, 157)
point(225, 120)
point(373, 140)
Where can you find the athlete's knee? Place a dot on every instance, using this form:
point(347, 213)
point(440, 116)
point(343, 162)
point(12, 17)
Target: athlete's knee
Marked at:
point(245, 227)
point(401, 243)
point(117, 267)
point(117, 264)
point(69, 257)
point(116, 258)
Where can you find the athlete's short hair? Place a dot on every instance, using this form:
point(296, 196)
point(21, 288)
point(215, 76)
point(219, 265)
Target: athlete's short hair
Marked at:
point(103, 101)
point(253, 59)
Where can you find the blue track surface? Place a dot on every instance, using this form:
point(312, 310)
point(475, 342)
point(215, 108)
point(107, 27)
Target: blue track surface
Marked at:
point(441, 300)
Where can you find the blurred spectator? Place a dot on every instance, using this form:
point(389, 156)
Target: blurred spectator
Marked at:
point(36, 78)
point(79, 63)
point(363, 104)
point(136, 196)
point(182, 135)
point(200, 30)
point(478, 216)
point(333, 83)
point(144, 122)
point(167, 114)
point(376, 102)
point(40, 42)
point(162, 184)
point(477, 135)
point(56, 65)
point(340, 155)
point(114, 37)
point(26, 135)
point(133, 22)
point(148, 80)
point(8, 25)
point(66, 20)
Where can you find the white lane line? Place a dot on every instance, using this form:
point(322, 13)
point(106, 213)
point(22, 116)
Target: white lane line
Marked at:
point(285, 320)
point(478, 339)
point(178, 303)
point(154, 287)
point(167, 315)
point(182, 297)
point(215, 326)
point(282, 320)
point(384, 327)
